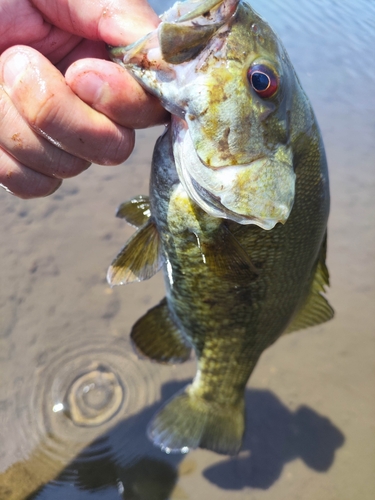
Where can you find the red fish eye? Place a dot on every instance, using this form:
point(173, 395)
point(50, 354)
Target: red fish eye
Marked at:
point(263, 80)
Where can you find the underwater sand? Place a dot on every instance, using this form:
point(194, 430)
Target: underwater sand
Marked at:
point(74, 398)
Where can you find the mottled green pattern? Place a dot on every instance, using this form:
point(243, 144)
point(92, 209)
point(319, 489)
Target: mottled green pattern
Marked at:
point(234, 283)
point(231, 321)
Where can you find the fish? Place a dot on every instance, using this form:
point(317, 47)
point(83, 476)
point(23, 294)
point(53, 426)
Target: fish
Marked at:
point(236, 217)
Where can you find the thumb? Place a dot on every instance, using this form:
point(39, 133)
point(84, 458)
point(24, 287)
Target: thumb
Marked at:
point(116, 22)
point(111, 90)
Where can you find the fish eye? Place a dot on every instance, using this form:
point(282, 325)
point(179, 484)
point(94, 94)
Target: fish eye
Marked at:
point(263, 79)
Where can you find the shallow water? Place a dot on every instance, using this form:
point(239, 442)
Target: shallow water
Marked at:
point(74, 398)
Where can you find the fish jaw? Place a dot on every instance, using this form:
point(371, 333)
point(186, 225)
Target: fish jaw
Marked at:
point(260, 193)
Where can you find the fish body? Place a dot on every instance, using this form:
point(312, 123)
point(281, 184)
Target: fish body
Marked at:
point(237, 214)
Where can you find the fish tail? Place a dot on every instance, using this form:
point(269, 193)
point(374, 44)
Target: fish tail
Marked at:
point(189, 422)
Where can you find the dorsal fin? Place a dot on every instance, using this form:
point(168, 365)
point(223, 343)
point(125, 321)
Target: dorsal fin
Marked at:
point(136, 211)
point(156, 336)
point(316, 309)
point(140, 258)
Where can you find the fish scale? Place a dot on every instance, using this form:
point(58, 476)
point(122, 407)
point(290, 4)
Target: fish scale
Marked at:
point(239, 272)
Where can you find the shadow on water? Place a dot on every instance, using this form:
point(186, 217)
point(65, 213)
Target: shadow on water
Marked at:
point(274, 437)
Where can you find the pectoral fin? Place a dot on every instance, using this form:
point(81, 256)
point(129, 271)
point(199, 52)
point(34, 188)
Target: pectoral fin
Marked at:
point(156, 336)
point(136, 211)
point(316, 309)
point(140, 258)
point(227, 257)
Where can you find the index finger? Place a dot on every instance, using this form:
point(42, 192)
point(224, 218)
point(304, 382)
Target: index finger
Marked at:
point(116, 22)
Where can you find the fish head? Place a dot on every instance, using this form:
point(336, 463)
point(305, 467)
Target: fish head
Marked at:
point(224, 75)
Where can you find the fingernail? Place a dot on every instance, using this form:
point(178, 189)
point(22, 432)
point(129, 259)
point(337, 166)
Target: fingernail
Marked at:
point(14, 67)
point(89, 87)
point(54, 188)
point(6, 188)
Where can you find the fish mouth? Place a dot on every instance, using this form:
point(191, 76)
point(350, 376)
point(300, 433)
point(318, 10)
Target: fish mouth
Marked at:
point(184, 31)
point(260, 192)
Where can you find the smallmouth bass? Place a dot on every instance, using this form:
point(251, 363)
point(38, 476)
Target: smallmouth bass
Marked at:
point(237, 213)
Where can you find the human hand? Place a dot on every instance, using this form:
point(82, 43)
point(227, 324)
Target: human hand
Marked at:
point(53, 127)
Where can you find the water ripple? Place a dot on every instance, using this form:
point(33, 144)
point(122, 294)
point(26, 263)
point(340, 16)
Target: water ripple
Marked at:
point(86, 386)
point(78, 394)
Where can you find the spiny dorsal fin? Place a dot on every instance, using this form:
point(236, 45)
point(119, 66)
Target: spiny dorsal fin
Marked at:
point(156, 336)
point(136, 211)
point(316, 309)
point(140, 258)
point(227, 257)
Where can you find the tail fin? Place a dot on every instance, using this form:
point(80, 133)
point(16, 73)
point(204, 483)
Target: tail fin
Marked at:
point(188, 422)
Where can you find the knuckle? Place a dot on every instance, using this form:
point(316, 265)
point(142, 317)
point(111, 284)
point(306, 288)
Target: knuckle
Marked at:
point(44, 114)
point(6, 111)
point(118, 148)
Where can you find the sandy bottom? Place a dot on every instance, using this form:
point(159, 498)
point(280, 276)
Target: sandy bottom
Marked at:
point(310, 402)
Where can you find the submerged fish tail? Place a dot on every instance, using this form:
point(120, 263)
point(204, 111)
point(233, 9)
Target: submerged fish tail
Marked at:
point(189, 421)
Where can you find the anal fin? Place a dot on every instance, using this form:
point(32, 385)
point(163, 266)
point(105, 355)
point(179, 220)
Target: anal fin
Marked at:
point(156, 336)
